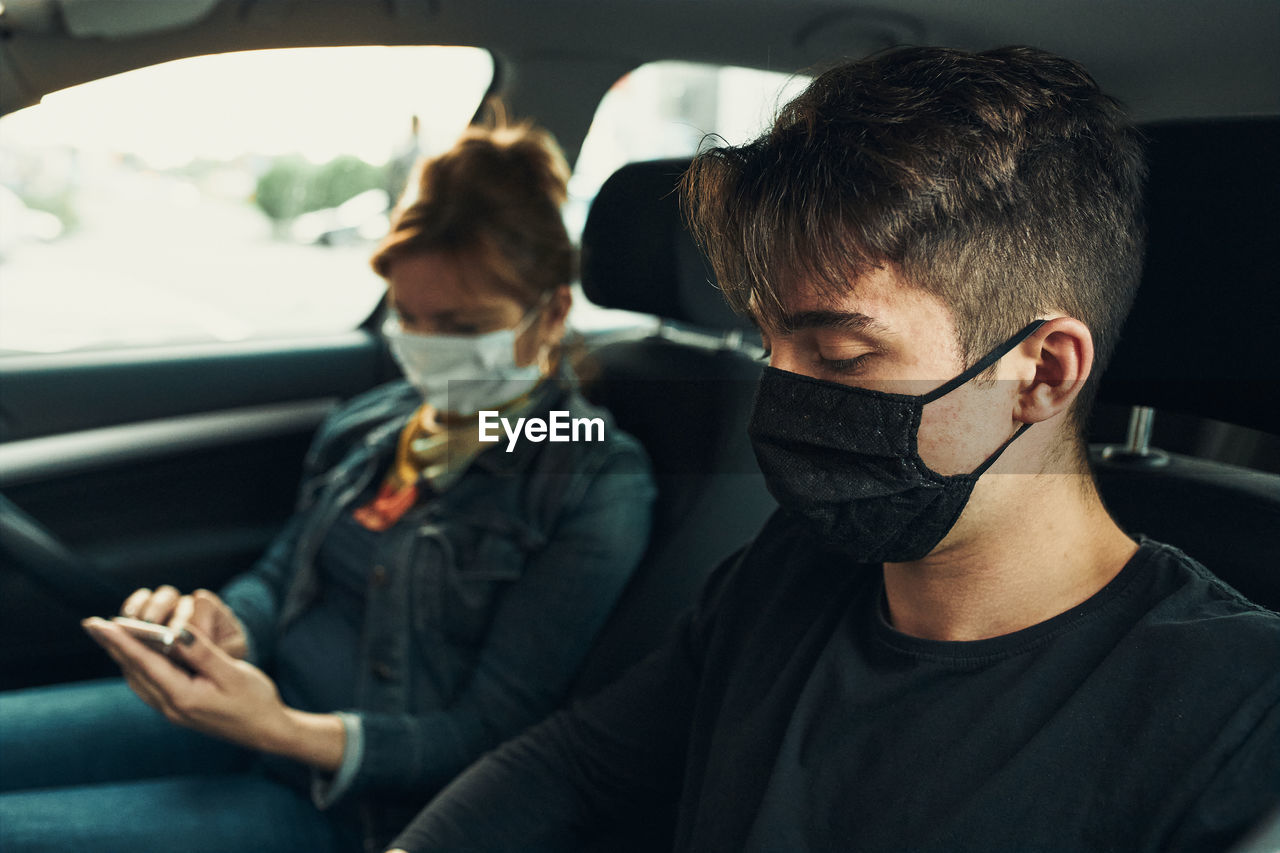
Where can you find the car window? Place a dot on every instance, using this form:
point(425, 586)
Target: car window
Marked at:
point(217, 198)
point(668, 109)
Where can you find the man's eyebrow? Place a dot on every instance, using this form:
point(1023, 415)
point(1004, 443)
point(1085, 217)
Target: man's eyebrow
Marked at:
point(852, 321)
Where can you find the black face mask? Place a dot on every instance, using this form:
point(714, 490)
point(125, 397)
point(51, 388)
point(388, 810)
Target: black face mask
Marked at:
point(846, 460)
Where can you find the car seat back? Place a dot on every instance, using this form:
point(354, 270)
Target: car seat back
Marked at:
point(685, 391)
point(1200, 341)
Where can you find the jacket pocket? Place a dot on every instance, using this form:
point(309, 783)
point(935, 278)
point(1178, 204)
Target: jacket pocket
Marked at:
point(479, 559)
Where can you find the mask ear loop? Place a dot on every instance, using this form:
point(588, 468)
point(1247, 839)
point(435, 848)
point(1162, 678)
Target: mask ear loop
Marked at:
point(543, 357)
point(981, 469)
point(982, 364)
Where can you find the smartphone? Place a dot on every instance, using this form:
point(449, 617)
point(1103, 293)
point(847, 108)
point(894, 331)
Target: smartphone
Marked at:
point(161, 637)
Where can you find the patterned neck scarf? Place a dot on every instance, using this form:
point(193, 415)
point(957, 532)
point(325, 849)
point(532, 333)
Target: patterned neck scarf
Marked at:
point(433, 451)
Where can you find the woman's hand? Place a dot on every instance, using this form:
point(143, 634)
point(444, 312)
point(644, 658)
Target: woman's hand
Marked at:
point(202, 608)
point(202, 687)
point(151, 605)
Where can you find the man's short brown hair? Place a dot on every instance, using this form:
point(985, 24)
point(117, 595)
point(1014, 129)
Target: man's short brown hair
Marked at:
point(1004, 182)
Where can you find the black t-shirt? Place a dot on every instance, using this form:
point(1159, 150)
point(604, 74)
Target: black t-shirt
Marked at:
point(786, 715)
point(1120, 725)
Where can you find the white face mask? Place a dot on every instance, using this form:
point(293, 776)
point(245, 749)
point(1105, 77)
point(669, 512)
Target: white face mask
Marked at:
point(463, 374)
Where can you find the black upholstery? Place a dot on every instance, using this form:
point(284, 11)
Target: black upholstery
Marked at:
point(637, 254)
point(1201, 340)
point(1202, 334)
point(685, 396)
point(1225, 516)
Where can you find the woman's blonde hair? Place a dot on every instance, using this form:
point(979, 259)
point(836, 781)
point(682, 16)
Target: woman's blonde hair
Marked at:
point(493, 199)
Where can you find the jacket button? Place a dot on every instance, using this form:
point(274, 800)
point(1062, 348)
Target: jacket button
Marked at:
point(384, 671)
point(379, 576)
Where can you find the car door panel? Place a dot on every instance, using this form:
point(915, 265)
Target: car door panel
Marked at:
point(169, 467)
point(42, 395)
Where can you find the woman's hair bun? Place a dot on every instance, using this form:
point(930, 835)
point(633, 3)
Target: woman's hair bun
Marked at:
point(495, 196)
point(516, 159)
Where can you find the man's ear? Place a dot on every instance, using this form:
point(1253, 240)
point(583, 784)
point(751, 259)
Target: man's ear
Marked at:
point(1058, 358)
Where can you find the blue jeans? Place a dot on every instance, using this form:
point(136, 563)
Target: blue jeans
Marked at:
point(89, 766)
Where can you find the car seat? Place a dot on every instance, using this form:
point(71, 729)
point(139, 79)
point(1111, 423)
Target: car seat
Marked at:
point(684, 390)
point(1201, 341)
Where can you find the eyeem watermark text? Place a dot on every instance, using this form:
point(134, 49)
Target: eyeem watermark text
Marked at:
point(558, 427)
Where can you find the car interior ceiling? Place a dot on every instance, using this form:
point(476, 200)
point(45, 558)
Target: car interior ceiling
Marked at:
point(561, 55)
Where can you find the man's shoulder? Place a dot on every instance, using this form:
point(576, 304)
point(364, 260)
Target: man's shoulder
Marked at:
point(1193, 616)
point(1190, 588)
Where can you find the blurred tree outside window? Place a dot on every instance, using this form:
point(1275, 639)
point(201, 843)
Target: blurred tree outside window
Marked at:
point(217, 198)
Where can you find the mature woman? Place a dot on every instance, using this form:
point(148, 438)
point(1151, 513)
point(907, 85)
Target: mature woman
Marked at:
point(433, 595)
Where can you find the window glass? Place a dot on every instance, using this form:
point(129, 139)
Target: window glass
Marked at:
point(667, 109)
point(217, 198)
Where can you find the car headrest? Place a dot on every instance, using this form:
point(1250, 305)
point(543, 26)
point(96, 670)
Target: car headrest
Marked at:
point(638, 255)
point(1201, 338)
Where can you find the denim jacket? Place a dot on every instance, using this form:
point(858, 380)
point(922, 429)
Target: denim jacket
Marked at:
point(484, 601)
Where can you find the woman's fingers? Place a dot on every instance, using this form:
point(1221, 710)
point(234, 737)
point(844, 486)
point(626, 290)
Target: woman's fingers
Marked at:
point(207, 610)
point(220, 623)
point(136, 657)
point(184, 613)
point(202, 655)
point(160, 606)
point(153, 606)
point(133, 604)
point(109, 637)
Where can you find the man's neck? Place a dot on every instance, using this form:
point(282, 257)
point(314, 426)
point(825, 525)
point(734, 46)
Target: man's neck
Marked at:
point(1062, 550)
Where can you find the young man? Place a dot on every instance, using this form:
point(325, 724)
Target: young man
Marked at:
point(942, 642)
